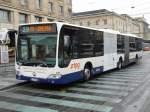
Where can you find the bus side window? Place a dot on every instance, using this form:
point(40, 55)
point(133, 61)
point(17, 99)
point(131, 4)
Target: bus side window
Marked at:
point(67, 43)
point(75, 47)
point(67, 50)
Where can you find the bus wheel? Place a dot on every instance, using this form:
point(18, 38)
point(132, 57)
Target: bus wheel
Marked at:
point(86, 74)
point(120, 64)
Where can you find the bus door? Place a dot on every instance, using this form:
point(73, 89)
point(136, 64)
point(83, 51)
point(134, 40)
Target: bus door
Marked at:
point(12, 34)
point(110, 51)
point(127, 50)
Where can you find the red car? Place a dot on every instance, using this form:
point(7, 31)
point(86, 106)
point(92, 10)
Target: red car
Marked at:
point(146, 48)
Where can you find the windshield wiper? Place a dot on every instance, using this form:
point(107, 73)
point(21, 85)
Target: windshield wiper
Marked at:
point(43, 64)
point(34, 63)
point(31, 63)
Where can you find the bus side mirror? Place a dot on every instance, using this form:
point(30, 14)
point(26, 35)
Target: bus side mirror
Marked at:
point(67, 42)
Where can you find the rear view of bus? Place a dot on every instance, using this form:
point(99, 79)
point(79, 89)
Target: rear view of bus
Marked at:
point(36, 52)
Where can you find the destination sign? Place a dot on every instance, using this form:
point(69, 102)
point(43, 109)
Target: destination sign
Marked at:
point(49, 28)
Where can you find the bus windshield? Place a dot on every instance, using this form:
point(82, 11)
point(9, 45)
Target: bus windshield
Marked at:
point(38, 49)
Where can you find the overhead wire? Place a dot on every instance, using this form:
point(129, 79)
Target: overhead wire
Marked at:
point(136, 7)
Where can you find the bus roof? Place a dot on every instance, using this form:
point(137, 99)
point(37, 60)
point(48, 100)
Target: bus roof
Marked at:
point(110, 31)
point(62, 23)
point(103, 30)
point(35, 23)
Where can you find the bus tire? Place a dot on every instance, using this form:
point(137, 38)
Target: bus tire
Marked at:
point(86, 74)
point(120, 64)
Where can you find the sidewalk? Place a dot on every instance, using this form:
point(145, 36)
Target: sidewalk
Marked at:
point(7, 76)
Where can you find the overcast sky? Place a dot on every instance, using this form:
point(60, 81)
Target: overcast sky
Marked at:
point(135, 8)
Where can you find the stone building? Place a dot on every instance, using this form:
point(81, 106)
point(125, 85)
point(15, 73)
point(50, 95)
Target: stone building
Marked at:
point(111, 20)
point(14, 12)
point(144, 30)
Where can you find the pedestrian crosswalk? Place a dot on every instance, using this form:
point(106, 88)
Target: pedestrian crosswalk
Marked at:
point(122, 77)
point(113, 83)
point(97, 95)
point(109, 87)
point(7, 76)
point(118, 80)
point(22, 108)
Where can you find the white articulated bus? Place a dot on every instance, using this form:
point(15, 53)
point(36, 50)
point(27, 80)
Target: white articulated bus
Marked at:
point(60, 53)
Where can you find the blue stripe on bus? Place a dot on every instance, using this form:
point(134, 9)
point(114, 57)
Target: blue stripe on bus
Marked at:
point(97, 70)
point(65, 79)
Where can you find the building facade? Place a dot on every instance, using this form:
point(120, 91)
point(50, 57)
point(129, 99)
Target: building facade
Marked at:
point(14, 12)
point(144, 30)
point(148, 35)
point(105, 19)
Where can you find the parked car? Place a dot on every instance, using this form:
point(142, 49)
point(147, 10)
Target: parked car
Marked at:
point(147, 48)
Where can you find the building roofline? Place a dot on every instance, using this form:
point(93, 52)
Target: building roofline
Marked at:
point(93, 12)
point(96, 13)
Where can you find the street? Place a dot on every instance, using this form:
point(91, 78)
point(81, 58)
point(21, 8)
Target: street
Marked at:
point(125, 90)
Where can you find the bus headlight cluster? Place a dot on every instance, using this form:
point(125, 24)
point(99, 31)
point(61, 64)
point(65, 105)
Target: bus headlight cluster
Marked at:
point(17, 67)
point(18, 72)
point(55, 76)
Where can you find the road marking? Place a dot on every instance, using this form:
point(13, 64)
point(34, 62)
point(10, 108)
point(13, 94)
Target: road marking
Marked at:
point(74, 104)
point(74, 95)
point(109, 92)
point(115, 87)
point(128, 75)
point(132, 71)
point(118, 80)
point(23, 108)
point(114, 83)
point(122, 77)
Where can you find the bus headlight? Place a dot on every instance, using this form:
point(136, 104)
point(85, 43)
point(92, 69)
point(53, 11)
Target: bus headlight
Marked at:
point(55, 76)
point(18, 67)
point(18, 72)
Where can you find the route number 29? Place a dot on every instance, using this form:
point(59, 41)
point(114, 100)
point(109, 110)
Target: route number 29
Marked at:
point(75, 66)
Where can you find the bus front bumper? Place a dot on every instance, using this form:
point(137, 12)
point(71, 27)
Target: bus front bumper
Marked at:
point(64, 79)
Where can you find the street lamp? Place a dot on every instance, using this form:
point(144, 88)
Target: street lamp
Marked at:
point(132, 7)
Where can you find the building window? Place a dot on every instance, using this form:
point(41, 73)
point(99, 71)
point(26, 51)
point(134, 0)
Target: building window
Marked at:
point(70, 2)
point(5, 16)
point(81, 23)
point(70, 12)
point(88, 23)
point(61, 10)
point(39, 4)
point(50, 7)
point(23, 2)
point(105, 21)
point(38, 19)
point(50, 20)
point(23, 18)
point(97, 22)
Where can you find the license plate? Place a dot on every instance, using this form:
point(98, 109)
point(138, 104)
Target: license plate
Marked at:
point(35, 80)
